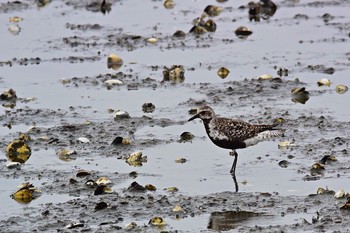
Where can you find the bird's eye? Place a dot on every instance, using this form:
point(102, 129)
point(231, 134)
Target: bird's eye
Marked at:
point(204, 114)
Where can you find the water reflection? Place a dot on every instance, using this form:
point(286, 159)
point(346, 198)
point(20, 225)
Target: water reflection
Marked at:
point(302, 99)
point(42, 3)
point(26, 193)
point(104, 7)
point(243, 32)
point(300, 95)
point(18, 151)
point(235, 182)
point(174, 74)
point(227, 220)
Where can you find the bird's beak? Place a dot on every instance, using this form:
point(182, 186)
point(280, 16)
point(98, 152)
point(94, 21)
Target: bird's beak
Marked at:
point(194, 117)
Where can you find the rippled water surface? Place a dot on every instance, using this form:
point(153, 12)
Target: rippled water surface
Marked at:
point(286, 40)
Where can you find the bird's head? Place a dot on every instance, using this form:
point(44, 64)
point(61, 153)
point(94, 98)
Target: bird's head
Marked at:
point(205, 113)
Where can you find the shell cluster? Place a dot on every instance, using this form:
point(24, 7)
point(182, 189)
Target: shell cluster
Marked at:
point(169, 4)
point(264, 9)
point(186, 136)
point(300, 95)
point(66, 154)
point(341, 89)
point(324, 82)
point(9, 94)
point(341, 194)
point(14, 27)
point(157, 221)
point(120, 114)
point(202, 25)
point(121, 141)
point(26, 193)
point(148, 107)
point(136, 159)
point(175, 74)
point(243, 32)
point(114, 62)
point(223, 72)
point(319, 166)
point(18, 151)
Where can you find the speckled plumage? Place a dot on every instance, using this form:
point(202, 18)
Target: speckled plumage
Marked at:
point(233, 134)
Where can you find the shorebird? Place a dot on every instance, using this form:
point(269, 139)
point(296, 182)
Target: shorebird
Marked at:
point(234, 134)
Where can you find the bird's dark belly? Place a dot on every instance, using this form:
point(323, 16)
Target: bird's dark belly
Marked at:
point(229, 144)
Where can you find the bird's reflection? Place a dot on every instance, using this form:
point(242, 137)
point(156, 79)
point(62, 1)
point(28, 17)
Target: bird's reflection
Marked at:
point(97, 6)
point(227, 220)
point(235, 181)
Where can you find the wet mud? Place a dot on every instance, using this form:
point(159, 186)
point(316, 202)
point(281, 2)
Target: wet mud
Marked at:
point(85, 111)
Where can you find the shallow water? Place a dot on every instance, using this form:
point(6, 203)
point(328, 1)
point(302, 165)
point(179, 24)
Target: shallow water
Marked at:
point(246, 59)
point(207, 168)
point(200, 223)
point(13, 208)
point(294, 44)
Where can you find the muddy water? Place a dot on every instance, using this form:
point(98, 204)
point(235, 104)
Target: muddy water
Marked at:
point(296, 38)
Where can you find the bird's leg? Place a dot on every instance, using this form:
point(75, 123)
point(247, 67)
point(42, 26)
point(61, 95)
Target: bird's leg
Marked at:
point(233, 168)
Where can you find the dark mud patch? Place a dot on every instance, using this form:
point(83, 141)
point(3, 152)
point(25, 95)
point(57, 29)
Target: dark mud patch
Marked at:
point(315, 31)
point(37, 60)
point(83, 27)
point(13, 6)
point(126, 207)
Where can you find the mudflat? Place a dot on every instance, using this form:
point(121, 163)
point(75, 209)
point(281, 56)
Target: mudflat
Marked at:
point(111, 147)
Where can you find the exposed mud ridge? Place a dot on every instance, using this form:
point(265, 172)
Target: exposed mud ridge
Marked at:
point(38, 60)
point(85, 120)
point(11, 6)
point(130, 42)
point(126, 205)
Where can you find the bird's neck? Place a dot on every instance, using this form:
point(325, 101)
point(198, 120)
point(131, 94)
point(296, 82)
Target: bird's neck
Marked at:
point(208, 124)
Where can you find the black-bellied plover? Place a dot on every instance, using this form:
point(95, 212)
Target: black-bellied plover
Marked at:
point(233, 134)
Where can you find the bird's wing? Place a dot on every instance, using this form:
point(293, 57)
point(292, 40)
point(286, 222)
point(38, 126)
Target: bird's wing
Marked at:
point(235, 129)
point(262, 128)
